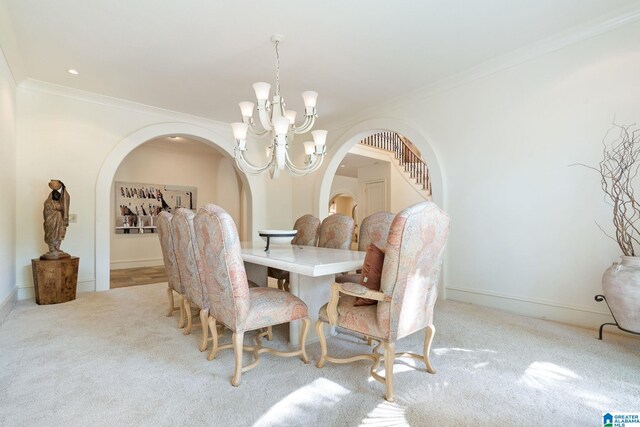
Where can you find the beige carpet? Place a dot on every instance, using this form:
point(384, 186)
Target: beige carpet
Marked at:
point(114, 359)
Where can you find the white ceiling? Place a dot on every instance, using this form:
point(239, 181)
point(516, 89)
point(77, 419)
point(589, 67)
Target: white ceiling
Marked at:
point(201, 56)
point(352, 162)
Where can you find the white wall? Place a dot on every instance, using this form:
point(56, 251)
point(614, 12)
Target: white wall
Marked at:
point(344, 185)
point(523, 234)
point(74, 135)
point(404, 191)
point(8, 179)
point(190, 164)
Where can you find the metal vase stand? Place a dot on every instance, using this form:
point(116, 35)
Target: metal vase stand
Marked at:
point(601, 298)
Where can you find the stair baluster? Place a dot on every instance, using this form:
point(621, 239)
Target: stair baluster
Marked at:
point(406, 156)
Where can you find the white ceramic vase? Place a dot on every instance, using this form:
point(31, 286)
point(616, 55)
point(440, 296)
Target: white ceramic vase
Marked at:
point(621, 287)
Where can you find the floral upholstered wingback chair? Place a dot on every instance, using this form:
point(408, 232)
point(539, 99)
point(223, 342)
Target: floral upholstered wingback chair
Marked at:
point(307, 227)
point(231, 302)
point(408, 292)
point(336, 232)
point(163, 225)
point(373, 229)
point(190, 268)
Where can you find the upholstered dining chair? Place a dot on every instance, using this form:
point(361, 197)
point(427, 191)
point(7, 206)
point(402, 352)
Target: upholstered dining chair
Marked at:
point(307, 227)
point(373, 229)
point(231, 302)
point(163, 226)
point(336, 231)
point(190, 269)
point(408, 292)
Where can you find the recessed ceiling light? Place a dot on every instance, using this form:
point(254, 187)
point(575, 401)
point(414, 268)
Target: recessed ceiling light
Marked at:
point(72, 71)
point(342, 166)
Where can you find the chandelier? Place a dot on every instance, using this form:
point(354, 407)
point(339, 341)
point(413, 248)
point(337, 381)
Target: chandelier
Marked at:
point(279, 126)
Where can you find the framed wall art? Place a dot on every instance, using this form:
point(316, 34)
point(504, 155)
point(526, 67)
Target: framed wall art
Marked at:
point(138, 205)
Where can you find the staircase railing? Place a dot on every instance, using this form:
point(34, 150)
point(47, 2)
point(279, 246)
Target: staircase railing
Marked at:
point(404, 153)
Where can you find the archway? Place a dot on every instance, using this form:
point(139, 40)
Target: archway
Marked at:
point(369, 127)
point(110, 166)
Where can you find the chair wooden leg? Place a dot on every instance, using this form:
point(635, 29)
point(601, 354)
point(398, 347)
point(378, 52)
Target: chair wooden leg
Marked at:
point(286, 285)
point(306, 322)
point(181, 322)
point(213, 327)
point(281, 284)
point(428, 339)
point(389, 357)
point(171, 306)
point(323, 343)
point(237, 338)
point(204, 314)
point(269, 333)
point(187, 309)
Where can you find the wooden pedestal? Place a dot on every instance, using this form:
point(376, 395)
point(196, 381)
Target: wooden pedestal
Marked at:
point(55, 280)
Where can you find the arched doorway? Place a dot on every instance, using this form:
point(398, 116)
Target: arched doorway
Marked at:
point(362, 130)
point(370, 127)
point(115, 158)
point(165, 173)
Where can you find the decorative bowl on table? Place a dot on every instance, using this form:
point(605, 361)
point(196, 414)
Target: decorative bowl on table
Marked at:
point(277, 236)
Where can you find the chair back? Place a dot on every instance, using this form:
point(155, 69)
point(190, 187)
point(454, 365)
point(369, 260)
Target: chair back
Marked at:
point(163, 225)
point(375, 229)
point(336, 231)
point(188, 257)
point(224, 275)
point(413, 258)
point(308, 227)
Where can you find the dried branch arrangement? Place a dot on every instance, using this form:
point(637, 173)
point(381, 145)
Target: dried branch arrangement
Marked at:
point(618, 171)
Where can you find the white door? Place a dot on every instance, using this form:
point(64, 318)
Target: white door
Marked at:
point(374, 197)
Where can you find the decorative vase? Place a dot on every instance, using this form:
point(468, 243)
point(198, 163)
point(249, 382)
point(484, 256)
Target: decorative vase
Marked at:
point(621, 287)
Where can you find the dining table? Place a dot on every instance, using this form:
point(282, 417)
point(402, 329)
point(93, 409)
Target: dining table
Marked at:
point(311, 270)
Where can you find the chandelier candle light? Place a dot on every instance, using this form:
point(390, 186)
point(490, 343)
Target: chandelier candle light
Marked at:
point(278, 124)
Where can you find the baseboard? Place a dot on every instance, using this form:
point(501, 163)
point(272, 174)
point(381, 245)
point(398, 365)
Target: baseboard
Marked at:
point(7, 305)
point(28, 292)
point(152, 262)
point(562, 313)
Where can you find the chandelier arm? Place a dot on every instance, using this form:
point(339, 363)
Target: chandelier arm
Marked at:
point(314, 166)
point(248, 167)
point(295, 170)
point(309, 121)
point(263, 112)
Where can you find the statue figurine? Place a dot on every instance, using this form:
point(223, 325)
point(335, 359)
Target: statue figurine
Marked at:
point(56, 219)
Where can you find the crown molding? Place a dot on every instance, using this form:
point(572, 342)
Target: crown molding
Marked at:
point(577, 34)
point(109, 101)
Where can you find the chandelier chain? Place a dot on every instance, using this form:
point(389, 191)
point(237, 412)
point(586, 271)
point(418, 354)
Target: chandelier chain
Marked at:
point(277, 69)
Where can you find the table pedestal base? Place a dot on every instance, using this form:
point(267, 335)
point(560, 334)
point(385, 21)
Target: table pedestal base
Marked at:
point(314, 291)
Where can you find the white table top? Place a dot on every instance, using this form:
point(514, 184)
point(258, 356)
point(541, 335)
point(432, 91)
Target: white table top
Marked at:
point(306, 260)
